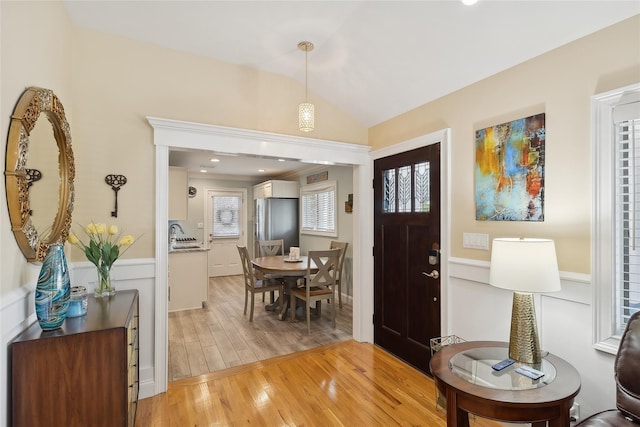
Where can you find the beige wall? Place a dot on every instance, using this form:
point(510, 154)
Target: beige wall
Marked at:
point(108, 85)
point(36, 51)
point(117, 82)
point(559, 83)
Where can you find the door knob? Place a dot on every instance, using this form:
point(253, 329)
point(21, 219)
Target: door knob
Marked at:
point(434, 274)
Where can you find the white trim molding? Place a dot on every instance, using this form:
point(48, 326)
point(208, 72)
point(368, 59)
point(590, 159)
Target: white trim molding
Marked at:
point(575, 287)
point(169, 134)
point(603, 214)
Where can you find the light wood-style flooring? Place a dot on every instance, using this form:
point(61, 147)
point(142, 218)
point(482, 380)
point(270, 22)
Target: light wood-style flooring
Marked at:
point(220, 336)
point(341, 384)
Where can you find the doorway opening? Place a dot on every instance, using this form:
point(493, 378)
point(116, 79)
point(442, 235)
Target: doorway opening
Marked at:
point(170, 134)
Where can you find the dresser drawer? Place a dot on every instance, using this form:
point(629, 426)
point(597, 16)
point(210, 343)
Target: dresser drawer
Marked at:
point(100, 389)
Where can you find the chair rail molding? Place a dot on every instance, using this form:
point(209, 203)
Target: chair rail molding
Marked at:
point(576, 287)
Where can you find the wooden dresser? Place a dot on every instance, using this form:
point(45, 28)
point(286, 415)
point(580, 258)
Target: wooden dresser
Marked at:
point(83, 374)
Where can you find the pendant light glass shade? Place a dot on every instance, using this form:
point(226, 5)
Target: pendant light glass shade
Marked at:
point(306, 115)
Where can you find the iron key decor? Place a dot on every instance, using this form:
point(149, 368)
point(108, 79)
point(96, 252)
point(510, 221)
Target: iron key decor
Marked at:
point(33, 175)
point(115, 181)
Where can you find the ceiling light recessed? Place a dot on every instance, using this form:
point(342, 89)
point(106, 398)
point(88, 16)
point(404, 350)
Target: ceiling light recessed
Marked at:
point(214, 160)
point(203, 170)
point(281, 160)
point(469, 2)
point(260, 170)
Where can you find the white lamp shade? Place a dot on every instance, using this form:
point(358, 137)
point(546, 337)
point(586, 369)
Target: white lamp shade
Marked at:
point(524, 265)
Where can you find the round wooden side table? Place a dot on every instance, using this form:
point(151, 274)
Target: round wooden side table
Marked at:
point(463, 373)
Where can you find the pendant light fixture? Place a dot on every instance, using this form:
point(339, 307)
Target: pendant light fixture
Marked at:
point(305, 110)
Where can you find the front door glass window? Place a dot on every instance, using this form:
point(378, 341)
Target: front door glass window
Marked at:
point(408, 190)
point(422, 196)
point(389, 190)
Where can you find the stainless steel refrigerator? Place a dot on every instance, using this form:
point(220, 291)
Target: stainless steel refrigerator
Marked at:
point(277, 219)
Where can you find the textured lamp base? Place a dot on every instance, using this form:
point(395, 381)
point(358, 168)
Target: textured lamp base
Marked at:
point(524, 344)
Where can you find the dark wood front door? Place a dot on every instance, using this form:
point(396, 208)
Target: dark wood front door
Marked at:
point(407, 239)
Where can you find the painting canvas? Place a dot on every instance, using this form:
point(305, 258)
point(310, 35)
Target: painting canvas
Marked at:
point(509, 170)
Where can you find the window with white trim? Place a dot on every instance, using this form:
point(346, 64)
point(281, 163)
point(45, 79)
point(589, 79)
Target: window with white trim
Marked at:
point(318, 204)
point(616, 232)
point(627, 297)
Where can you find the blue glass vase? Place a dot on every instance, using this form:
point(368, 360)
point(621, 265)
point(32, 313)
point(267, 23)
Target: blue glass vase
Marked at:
point(53, 289)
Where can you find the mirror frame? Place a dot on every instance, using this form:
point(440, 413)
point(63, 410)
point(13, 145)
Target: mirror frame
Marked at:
point(31, 104)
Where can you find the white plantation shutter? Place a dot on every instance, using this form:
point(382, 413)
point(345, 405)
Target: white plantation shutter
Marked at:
point(627, 212)
point(319, 214)
point(615, 257)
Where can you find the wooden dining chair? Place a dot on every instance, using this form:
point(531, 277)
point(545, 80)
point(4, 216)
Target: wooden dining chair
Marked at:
point(252, 285)
point(270, 248)
point(318, 286)
point(343, 252)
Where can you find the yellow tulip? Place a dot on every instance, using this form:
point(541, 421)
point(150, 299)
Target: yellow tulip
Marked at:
point(73, 239)
point(126, 240)
point(101, 228)
point(91, 229)
point(113, 230)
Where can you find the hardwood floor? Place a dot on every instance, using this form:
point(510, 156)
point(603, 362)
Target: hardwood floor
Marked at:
point(220, 336)
point(341, 384)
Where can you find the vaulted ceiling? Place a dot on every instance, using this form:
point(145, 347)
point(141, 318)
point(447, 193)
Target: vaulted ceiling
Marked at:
point(373, 59)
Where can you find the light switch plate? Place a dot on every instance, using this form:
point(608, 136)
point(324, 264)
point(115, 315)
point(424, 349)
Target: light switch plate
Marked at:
point(201, 225)
point(475, 241)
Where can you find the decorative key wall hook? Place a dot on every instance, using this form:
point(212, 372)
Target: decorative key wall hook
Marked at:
point(115, 181)
point(33, 175)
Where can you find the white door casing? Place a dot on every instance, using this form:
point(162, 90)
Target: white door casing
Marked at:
point(169, 133)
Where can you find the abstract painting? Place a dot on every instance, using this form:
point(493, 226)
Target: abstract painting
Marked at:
point(509, 171)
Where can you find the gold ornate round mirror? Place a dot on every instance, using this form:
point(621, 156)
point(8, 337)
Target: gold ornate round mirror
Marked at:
point(53, 222)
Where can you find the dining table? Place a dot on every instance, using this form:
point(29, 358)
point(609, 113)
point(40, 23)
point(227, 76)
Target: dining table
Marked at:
point(290, 270)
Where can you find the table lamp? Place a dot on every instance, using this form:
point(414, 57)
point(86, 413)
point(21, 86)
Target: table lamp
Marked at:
point(524, 266)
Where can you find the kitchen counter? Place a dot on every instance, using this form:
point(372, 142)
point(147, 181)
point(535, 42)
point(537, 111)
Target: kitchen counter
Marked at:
point(198, 249)
point(188, 278)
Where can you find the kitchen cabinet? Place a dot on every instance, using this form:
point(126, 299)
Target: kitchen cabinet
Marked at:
point(83, 374)
point(277, 188)
point(178, 193)
point(188, 279)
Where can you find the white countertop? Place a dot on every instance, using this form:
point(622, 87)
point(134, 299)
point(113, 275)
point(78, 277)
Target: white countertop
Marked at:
point(182, 250)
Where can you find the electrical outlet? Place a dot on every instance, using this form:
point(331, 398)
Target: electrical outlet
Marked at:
point(574, 413)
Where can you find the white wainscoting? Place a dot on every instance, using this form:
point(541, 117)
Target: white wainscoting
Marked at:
point(18, 311)
point(476, 311)
point(479, 311)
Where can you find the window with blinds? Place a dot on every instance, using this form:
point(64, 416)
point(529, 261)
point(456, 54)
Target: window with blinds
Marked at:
point(318, 204)
point(615, 258)
point(226, 215)
point(627, 224)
